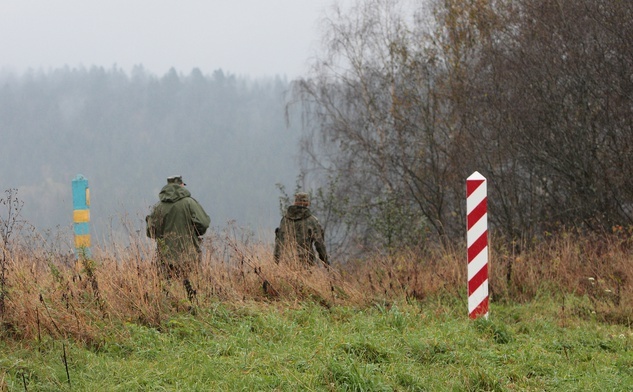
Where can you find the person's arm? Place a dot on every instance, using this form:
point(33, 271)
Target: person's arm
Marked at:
point(154, 224)
point(277, 252)
point(199, 218)
point(149, 230)
point(319, 243)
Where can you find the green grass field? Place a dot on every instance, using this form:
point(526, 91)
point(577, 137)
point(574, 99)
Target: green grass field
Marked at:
point(561, 319)
point(418, 346)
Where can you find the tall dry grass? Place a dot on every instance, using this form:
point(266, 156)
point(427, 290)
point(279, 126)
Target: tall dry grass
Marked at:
point(55, 295)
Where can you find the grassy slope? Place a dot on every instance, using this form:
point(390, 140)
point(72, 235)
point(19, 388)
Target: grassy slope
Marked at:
point(561, 320)
point(408, 346)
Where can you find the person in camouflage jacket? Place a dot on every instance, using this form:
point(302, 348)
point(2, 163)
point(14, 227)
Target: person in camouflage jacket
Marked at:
point(299, 233)
point(177, 222)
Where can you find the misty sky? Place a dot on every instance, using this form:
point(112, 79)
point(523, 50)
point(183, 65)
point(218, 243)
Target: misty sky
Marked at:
point(243, 37)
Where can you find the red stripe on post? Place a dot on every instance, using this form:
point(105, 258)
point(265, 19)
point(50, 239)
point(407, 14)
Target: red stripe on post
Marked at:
point(477, 246)
point(477, 280)
point(480, 310)
point(472, 185)
point(476, 214)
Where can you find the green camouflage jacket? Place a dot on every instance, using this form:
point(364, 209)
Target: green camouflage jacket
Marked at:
point(177, 222)
point(300, 232)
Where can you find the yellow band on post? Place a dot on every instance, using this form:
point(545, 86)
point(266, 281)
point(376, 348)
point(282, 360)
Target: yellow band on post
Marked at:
point(81, 216)
point(82, 241)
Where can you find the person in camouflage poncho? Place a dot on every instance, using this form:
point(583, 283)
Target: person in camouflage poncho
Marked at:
point(177, 222)
point(299, 233)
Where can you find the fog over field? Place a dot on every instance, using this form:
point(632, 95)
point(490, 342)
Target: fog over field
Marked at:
point(127, 94)
point(227, 136)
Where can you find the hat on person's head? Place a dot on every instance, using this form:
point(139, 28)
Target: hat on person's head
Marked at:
point(302, 199)
point(175, 180)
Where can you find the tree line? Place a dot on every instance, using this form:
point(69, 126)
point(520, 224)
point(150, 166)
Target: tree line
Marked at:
point(408, 100)
point(126, 132)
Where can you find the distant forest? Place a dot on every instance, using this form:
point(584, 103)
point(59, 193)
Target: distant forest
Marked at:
point(227, 136)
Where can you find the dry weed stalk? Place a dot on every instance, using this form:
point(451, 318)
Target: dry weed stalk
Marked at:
point(54, 296)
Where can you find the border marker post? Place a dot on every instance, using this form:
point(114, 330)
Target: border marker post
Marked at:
point(81, 216)
point(477, 239)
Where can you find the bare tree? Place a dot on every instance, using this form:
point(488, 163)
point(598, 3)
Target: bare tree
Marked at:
point(549, 102)
point(382, 130)
point(536, 95)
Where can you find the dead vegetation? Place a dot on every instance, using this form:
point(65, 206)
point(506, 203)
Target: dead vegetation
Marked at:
point(55, 295)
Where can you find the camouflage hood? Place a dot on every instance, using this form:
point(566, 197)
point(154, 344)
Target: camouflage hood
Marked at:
point(299, 232)
point(171, 193)
point(177, 222)
point(297, 212)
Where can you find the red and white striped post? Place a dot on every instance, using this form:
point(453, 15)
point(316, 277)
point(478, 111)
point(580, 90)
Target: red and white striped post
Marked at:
point(477, 238)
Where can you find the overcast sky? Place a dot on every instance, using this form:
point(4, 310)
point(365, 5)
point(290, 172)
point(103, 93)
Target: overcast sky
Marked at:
point(244, 37)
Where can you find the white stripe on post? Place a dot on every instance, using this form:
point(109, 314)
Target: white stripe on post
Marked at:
point(477, 239)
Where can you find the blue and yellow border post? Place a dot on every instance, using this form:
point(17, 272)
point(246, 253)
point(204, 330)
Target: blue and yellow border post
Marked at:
point(81, 216)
